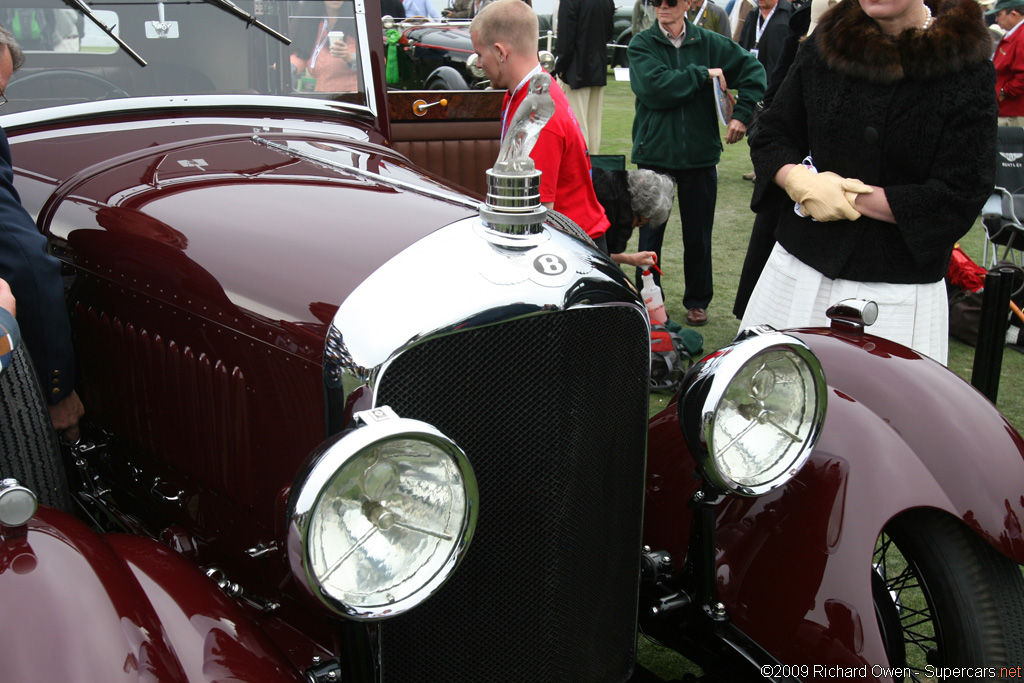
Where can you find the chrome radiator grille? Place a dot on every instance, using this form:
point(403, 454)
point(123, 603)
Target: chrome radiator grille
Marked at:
point(551, 411)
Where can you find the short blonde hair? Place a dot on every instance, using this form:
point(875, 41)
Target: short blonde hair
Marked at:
point(512, 22)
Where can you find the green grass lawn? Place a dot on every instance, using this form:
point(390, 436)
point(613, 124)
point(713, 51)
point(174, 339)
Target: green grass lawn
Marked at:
point(733, 221)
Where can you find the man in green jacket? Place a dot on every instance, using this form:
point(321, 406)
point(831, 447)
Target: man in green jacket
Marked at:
point(673, 67)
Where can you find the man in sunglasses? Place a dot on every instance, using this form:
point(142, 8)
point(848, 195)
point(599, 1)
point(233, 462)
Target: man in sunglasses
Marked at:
point(673, 70)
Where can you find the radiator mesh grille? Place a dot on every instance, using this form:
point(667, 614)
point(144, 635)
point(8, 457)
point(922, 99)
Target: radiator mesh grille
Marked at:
point(551, 411)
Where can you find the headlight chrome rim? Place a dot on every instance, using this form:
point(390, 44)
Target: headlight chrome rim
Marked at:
point(343, 460)
point(702, 406)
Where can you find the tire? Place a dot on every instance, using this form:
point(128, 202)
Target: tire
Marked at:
point(567, 225)
point(446, 78)
point(946, 598)
point(29, 451)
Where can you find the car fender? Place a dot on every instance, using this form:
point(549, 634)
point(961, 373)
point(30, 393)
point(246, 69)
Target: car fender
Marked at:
point(213, 637)
point(117, 609)
point(967, 447)
point(901, 432)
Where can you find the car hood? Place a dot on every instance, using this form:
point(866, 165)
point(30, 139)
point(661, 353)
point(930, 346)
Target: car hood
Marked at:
point(235, 208)
point(444, 37)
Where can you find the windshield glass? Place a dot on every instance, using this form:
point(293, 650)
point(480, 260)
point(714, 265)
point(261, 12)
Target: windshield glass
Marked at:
point(190, 48)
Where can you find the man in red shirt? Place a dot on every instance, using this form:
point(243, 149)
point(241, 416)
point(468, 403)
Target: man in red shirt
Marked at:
point(1009, 63)
point(504, 38)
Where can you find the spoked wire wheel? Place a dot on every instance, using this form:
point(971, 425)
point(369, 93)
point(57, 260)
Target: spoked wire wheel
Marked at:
point(945, 598)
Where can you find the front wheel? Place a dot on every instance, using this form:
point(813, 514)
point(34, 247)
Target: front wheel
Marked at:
point(945, 598)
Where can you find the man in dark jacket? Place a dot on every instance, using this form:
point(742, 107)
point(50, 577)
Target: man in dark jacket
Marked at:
point(762, 235)
point(392, 8)
point(584, 29)
point(766, 32)
point(708, 14)
point(35, 280)
point(674, 66)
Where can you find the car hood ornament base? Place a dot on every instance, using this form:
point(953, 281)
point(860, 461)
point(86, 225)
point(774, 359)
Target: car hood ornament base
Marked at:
point(513, 186)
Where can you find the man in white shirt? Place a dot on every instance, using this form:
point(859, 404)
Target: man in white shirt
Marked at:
point(420, 8)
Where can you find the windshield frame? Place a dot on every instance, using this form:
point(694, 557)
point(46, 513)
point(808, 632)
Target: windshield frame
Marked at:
point(370, 56)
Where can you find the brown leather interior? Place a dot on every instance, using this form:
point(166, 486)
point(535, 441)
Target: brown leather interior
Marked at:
point(458, 141)
point(460, 152)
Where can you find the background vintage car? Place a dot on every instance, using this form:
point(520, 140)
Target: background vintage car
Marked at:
point(433, 54)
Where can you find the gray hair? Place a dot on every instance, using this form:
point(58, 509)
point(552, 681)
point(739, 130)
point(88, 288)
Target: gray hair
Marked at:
point(17, 55)
point(651, 194)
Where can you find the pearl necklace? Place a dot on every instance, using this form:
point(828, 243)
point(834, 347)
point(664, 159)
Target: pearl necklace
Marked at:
point(928, 21)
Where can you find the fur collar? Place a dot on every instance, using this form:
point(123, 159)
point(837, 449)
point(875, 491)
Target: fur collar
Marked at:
point(852, 44)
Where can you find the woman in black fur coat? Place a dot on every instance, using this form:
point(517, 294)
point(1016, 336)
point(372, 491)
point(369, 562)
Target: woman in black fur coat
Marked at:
point(883, 138)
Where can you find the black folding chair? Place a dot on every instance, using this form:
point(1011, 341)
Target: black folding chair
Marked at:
point(608, 162)
point(1002, 213)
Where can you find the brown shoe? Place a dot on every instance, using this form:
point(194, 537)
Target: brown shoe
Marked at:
point(695, 317)
point(750, 176)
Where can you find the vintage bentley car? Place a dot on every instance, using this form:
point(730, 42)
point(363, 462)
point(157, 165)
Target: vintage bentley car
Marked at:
point(359, 409)
point(438, 55)
point(433, 55)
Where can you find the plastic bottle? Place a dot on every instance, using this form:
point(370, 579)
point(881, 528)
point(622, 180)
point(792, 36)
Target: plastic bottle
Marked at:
point(651, 294)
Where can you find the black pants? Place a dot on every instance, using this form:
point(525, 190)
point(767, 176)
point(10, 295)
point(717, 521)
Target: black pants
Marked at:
point(697, 189)
point(762, 241)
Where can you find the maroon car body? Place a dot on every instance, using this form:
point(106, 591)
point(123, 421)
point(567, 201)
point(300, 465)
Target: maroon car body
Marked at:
point(256, 275)
point(875, 460)
point(122, 607)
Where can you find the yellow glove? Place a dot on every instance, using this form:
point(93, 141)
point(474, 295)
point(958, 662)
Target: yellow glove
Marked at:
point(851, 187)
point(825, 196)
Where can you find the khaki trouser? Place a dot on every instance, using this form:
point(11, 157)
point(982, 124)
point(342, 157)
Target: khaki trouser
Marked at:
point(1011, 120)
point(586, 105)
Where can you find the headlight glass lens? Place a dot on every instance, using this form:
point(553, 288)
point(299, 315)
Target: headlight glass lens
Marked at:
point(767, 418)
point(473, 64)
point(388, 523)
point(17, 504)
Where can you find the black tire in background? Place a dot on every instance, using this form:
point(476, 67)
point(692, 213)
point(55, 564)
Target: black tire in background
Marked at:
point(568, 225)
point(959, 602)
point(29, 451)
point(446, 78)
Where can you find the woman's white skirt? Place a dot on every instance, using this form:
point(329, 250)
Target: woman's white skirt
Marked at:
point(790, 293)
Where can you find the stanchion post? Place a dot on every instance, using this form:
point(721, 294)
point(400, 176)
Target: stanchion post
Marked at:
point(988, 354)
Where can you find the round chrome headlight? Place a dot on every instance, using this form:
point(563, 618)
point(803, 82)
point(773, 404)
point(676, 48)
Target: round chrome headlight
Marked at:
point(381, 517)
point(761, 406)
point(547, 60)
point(473, 65)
